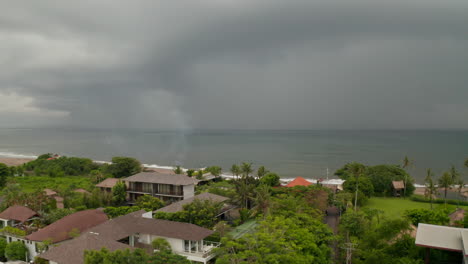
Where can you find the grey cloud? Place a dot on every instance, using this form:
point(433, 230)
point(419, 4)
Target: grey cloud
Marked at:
point(239, 64)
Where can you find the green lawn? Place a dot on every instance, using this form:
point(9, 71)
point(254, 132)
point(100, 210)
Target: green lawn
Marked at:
point(394, 207)
point(33, 183)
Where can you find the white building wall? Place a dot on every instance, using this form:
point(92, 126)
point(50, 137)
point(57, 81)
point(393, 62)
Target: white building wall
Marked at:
point(189, 191)
point(176, 244)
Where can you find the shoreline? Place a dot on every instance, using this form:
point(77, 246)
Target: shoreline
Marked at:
point(13, 159)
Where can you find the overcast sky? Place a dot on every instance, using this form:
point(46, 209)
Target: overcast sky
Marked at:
point(243, 64)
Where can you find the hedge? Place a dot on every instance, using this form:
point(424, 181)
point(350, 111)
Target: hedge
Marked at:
point(419, 198)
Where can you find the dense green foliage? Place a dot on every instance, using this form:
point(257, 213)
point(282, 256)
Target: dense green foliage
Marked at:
point(16, 251)
point(58, 167)
point(54, 215)
point(300, 239)
point(104, 256)
point(4, 172)
point(199, 212)
point(364, 185)
point(123, 167)
point(62, 184)
point(161, 244)
point(270, 179)
point(3, 244)
point(13, 231)
point(149, 203)
point(119, 193)
point(114, 212)
point(435, 217)
point(223, 188)
point(380, 177)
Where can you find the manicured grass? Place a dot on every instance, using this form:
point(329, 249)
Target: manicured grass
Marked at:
point(33, 183)
point(395, 207)
point(243, 229)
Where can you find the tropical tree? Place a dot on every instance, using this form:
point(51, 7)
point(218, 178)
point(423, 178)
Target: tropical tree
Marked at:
point(244, 193)
point(215, 170)
point(149, 203)
point(161, 244)
point(406, 163)
point(16, 251)
point(262, 200)
point(119, 193)
point(454, 174)
point(356, 170)
point(246, 169)
point(271, 179)
point(4, 172)
point(445, 181)
point(235, 170)
point(431, 190)
point(178, 170)
point(261, 171)
point(466, 163)
point(124, 166)
point(190, 172)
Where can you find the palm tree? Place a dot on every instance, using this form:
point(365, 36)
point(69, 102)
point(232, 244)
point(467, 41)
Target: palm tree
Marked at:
point(356, 170)
point(235, 170)
point(246, 169)
point(243, 193)
point(406, 164)
point(460, 184)
point(454, 174)
point(262, 200)
point(430, 189)
point(445, 182)
point(261, 171)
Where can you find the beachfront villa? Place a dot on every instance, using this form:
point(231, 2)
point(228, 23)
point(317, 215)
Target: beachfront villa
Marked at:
point(443, 238)
point(136, 230)
point(167, 187)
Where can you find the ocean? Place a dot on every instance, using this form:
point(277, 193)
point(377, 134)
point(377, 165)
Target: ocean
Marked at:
point(289, 153)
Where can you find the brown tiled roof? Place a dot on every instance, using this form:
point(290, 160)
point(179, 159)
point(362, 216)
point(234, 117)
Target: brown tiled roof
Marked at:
point(18, 213)
point(179, 206)
point(72, 251)
point(152, 177)
point(108, 183)
point(124, 226)
point(59, 230)
point(398, 185)
point(50, 192)
point(81, 191)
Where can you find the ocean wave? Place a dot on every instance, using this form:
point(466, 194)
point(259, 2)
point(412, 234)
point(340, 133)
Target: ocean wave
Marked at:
point(17, 156)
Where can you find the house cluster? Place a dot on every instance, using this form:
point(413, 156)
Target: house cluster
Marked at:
point(64, 241)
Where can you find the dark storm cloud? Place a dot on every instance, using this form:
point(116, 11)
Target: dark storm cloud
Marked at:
point(235, 64)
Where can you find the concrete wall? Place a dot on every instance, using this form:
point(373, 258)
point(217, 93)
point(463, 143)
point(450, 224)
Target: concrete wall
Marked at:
point(189, 191)
point(176, 244)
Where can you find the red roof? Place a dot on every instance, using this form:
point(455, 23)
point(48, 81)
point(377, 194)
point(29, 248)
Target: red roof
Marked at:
point(299, 181)
point(60, 230)
point(18, 213)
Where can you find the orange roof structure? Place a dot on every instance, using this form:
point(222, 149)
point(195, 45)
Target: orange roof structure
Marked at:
point(299, 181)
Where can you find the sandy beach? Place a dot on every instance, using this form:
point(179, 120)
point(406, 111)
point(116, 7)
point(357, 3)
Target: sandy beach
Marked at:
point(14, 161)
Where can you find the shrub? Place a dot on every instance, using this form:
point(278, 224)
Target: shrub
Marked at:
point(16, 251)
point(435, 217)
